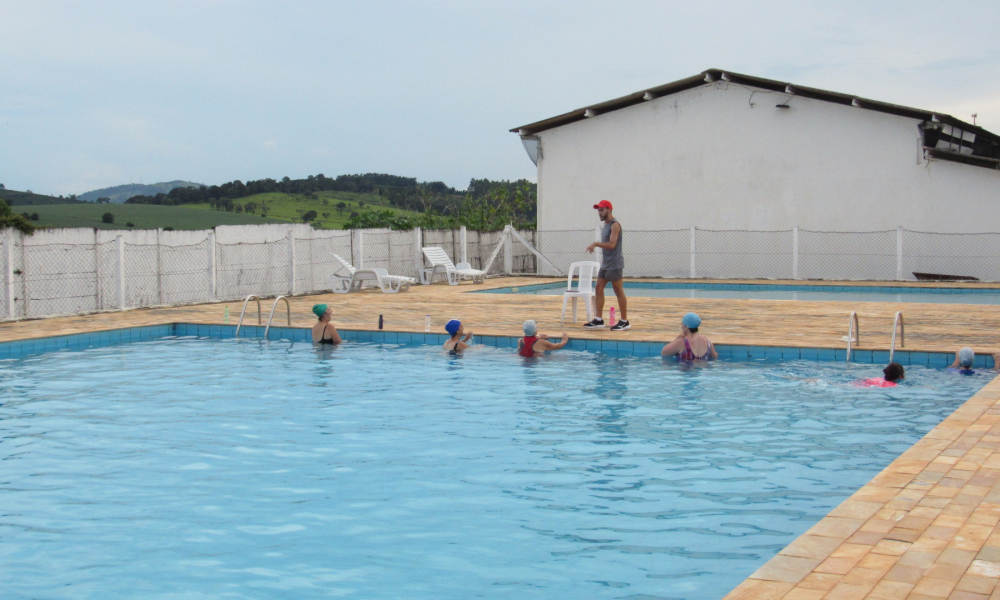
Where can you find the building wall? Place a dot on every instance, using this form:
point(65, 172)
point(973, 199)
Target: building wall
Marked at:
point(723, 157)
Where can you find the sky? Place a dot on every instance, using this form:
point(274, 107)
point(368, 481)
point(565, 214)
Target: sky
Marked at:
point(95, 94)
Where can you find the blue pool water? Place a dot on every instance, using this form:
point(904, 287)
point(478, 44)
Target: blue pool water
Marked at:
point(736, 291)
point(205, 468)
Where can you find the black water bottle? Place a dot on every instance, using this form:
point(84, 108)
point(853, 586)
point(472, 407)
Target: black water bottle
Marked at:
point(380, 321)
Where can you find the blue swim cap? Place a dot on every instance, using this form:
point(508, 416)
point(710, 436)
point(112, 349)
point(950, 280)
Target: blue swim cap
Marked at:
point(452, 326)
point(691, 321)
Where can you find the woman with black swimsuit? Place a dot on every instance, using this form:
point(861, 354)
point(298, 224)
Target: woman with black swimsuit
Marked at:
point(324, 332)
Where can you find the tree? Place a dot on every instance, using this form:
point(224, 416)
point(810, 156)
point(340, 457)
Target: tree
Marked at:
point(18, 222)
point(341, 207)
point(309, 216)
point(2, 187)
point(361, 203)
point(326, 215)
point(107, 218)
point(239, 208)
point(101, 200)
point(34, 216)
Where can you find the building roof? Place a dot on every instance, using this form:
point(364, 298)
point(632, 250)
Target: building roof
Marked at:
point(987, 149)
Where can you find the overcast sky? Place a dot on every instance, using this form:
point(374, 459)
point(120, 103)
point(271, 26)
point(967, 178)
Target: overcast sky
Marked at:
point(95, 94)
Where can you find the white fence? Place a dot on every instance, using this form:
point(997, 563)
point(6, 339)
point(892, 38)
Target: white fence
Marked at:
point(892, 255)
point(78, 271)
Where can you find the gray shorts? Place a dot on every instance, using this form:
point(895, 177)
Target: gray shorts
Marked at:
point(610, 274)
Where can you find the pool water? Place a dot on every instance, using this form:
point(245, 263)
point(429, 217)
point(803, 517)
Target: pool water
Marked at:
point(824, 293)
point(202, 468)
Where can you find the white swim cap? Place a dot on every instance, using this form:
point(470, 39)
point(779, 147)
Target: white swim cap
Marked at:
point(530, 327)
point(966, 357)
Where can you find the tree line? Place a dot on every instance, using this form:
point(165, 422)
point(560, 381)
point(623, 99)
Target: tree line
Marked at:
point(369, 183)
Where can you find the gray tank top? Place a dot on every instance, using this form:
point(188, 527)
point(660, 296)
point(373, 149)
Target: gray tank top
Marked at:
point(612, 259)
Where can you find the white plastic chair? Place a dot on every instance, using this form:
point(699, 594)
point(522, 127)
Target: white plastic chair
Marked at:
point(441, 265)
point(584, 288)
point(389, 284)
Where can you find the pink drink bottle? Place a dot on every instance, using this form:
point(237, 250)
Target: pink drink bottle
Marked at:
point(611, 320)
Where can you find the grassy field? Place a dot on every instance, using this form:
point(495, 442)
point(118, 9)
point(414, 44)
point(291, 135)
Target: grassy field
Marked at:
point(289, 207)
point(281, 208)
point(142, 216)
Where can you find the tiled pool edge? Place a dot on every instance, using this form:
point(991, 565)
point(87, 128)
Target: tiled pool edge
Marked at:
point(922, 528)
point(108, 337)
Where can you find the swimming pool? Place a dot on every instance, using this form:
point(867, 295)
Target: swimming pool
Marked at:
point(766, 291)
point(206, 468)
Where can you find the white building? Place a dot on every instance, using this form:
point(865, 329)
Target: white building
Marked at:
point(722, 150)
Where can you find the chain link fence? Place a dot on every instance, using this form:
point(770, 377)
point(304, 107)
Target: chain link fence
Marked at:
point(61, 273)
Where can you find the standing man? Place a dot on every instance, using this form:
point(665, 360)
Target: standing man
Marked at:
point(612, 265)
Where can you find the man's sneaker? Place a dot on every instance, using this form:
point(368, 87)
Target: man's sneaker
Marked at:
point(621, 326)
point(595, 324)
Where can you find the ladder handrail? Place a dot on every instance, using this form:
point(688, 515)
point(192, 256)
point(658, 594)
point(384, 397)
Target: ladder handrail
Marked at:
point(244, 311)
point(853, 333)
point(288, 310)
point(897, 321)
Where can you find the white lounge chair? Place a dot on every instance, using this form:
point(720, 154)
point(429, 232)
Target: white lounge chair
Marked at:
point(389, 284)
point(584, 288)
point(442, 265)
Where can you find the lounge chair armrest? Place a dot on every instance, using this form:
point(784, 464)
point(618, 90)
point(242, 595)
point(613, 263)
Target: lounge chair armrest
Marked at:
point(463, 266)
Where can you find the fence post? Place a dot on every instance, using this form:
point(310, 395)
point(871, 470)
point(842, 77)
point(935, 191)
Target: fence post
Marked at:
point(508, 251)
point(899, 254)
point(291, 262)
point(211, 266)
point(159, 268)
point(97, 274)
point(694, 252)
point(462, 236)
point(795, 252)
point(8, 261)
point(120, 246)
point(418, 253)
point(361, 249)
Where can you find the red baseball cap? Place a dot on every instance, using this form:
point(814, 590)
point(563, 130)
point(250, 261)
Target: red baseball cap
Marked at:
point(604, 204)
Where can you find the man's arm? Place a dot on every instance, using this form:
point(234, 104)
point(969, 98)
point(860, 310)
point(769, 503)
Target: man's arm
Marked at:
point(613, 239)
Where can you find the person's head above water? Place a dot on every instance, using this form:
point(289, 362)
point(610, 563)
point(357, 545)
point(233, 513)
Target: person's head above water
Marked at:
point(319, 310)
point(894, 371)
point(691, 321)
point(966, 357)
point(530, 328)
point(452, 326)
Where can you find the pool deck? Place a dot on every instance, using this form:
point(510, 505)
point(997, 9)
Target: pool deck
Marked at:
point(925, 528)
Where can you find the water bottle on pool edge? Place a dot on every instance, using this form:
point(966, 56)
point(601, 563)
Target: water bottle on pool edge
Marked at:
point(427, 323)
point(611, 317)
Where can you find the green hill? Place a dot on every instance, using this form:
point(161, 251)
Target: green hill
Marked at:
point(15, 198)
point(291, 207)
point(120, 193)
point(142, 216)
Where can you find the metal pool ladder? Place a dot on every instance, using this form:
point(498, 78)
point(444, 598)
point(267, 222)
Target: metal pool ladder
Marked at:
point(244, 311)
point(288, 312)
point(853, 334)
point(897, 321)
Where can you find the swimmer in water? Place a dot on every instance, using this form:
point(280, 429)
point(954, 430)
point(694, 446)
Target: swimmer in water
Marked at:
point(965, 358)
point(534, 343)
point(893, 373)
point(690, 345)
point(456, 343)
point(324, 332)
